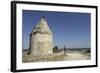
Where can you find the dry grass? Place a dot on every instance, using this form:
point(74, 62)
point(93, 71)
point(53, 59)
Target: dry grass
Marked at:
point(56, 57)
point(43, 58)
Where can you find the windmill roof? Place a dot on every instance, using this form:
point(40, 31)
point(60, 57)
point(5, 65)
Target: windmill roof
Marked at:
point(42, 27)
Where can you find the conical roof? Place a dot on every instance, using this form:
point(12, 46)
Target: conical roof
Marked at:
point(42, 27)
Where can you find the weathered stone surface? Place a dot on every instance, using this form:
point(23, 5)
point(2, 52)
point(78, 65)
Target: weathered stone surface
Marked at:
point(41, 39)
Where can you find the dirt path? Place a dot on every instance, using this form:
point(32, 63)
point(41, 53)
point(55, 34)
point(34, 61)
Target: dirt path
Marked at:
point(76, 56)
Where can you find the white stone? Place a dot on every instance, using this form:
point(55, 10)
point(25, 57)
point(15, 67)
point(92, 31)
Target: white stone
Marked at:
point(41, 39)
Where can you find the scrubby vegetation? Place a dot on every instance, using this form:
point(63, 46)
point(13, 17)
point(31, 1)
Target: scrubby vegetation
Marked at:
point(58, 55)
point(42, 58)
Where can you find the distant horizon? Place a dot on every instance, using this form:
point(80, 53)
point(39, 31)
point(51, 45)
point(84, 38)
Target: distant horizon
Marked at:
point(70, 48)
point(69, 29)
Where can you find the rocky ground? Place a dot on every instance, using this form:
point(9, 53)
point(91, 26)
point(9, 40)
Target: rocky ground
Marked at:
point(77, 56)
point(56, 57)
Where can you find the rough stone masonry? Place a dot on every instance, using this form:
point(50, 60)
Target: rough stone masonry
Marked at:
point(41, 39)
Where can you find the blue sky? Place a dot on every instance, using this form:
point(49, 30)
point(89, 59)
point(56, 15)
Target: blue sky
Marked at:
point(69, 28)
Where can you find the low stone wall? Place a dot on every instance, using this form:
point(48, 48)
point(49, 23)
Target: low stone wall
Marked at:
point(43, 58)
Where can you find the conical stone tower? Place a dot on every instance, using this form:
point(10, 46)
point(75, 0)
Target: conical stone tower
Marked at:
point(41, 39)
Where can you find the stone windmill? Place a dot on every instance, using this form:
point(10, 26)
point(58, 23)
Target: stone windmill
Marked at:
point(41, 39)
